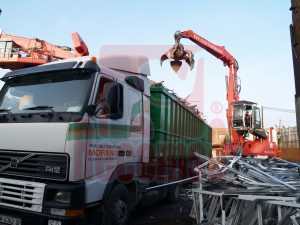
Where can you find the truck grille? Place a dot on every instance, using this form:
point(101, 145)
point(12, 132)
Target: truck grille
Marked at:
point(40, 165)
point(21, 194)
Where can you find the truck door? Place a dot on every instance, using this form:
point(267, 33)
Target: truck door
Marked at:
point(115, 132)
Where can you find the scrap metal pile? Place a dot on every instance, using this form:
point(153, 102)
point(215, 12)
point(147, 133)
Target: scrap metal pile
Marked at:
point(236, 190)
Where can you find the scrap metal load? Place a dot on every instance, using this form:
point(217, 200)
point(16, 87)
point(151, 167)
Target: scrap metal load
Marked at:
point(177, 131)
point(244, 190)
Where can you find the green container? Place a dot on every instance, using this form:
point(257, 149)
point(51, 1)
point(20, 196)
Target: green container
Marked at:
point(176, 131)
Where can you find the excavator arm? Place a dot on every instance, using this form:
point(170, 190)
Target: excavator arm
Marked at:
point(238, 128)
point(218, 51)
point(178, 54)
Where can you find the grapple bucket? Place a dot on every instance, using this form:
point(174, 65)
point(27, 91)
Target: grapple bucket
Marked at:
point(177, 54)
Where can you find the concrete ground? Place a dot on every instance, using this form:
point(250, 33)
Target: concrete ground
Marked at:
point(164, 213)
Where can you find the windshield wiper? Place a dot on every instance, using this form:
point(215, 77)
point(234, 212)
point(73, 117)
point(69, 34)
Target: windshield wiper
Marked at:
point(4, 110)
point(41, 108)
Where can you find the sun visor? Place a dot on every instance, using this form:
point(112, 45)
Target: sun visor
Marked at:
point(132, 64)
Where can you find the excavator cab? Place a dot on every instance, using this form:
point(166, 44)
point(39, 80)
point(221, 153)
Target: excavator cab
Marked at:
point(246, 116)
point(6, 48)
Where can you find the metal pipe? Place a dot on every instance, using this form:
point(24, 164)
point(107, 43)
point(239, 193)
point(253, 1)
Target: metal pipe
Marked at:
point(171, 183)
point(269, 176)
point(290, 163)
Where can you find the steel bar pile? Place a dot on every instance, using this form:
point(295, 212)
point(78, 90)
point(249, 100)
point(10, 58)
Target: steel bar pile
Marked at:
point(235, 190)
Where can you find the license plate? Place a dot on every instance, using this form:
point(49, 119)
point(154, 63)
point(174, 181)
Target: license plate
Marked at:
point(8, 220)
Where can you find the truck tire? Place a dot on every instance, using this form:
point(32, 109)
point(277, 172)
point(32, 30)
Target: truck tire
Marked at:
point(173, 194)
point(117, 206)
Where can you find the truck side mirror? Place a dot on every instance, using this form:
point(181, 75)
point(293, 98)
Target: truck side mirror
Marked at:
point(115, 101)
point(135, 82)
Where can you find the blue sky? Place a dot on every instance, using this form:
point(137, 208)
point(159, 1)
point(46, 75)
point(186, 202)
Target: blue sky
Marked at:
point(256, 32)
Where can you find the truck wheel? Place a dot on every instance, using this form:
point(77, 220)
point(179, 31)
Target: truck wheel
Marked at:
point(117, 207)
point(173, 193)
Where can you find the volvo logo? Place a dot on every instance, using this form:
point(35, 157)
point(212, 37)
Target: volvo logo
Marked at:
point(14, 163)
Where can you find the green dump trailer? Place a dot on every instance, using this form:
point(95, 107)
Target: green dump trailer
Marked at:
point(177, 131)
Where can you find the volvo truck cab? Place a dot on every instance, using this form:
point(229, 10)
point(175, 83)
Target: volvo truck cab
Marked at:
point(70, 132)
point(76, 146)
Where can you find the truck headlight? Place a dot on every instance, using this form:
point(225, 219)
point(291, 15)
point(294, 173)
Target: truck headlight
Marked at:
point(54, 222)
point(63, 197)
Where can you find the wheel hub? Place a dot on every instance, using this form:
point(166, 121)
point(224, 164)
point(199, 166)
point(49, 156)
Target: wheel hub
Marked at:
point(121, 211)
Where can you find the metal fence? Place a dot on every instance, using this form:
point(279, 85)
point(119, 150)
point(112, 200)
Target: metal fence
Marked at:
point(288, 138)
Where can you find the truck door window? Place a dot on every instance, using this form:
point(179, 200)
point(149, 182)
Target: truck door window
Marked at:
point(108, 104)
point(135, 101)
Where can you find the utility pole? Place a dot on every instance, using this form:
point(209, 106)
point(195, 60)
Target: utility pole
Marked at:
point(295, 39)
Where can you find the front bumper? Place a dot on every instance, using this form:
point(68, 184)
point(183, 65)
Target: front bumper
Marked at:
point(29, 214)
point(31, 218)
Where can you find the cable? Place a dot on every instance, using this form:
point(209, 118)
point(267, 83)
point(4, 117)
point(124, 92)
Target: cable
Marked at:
point(279, 109)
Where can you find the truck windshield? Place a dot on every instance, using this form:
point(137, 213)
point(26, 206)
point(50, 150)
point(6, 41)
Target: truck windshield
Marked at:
point(60, 92)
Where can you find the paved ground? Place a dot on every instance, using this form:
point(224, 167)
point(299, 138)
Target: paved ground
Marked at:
point(164, 213)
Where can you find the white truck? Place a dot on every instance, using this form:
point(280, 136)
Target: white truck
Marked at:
point(76, 144)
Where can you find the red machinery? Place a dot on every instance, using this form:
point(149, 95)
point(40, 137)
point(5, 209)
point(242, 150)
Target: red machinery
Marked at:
point(19, 52)
point(244, 118)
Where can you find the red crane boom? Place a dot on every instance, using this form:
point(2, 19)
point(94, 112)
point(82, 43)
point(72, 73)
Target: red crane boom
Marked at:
point(221, 53)
point(243, 117)
point(19, 52)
